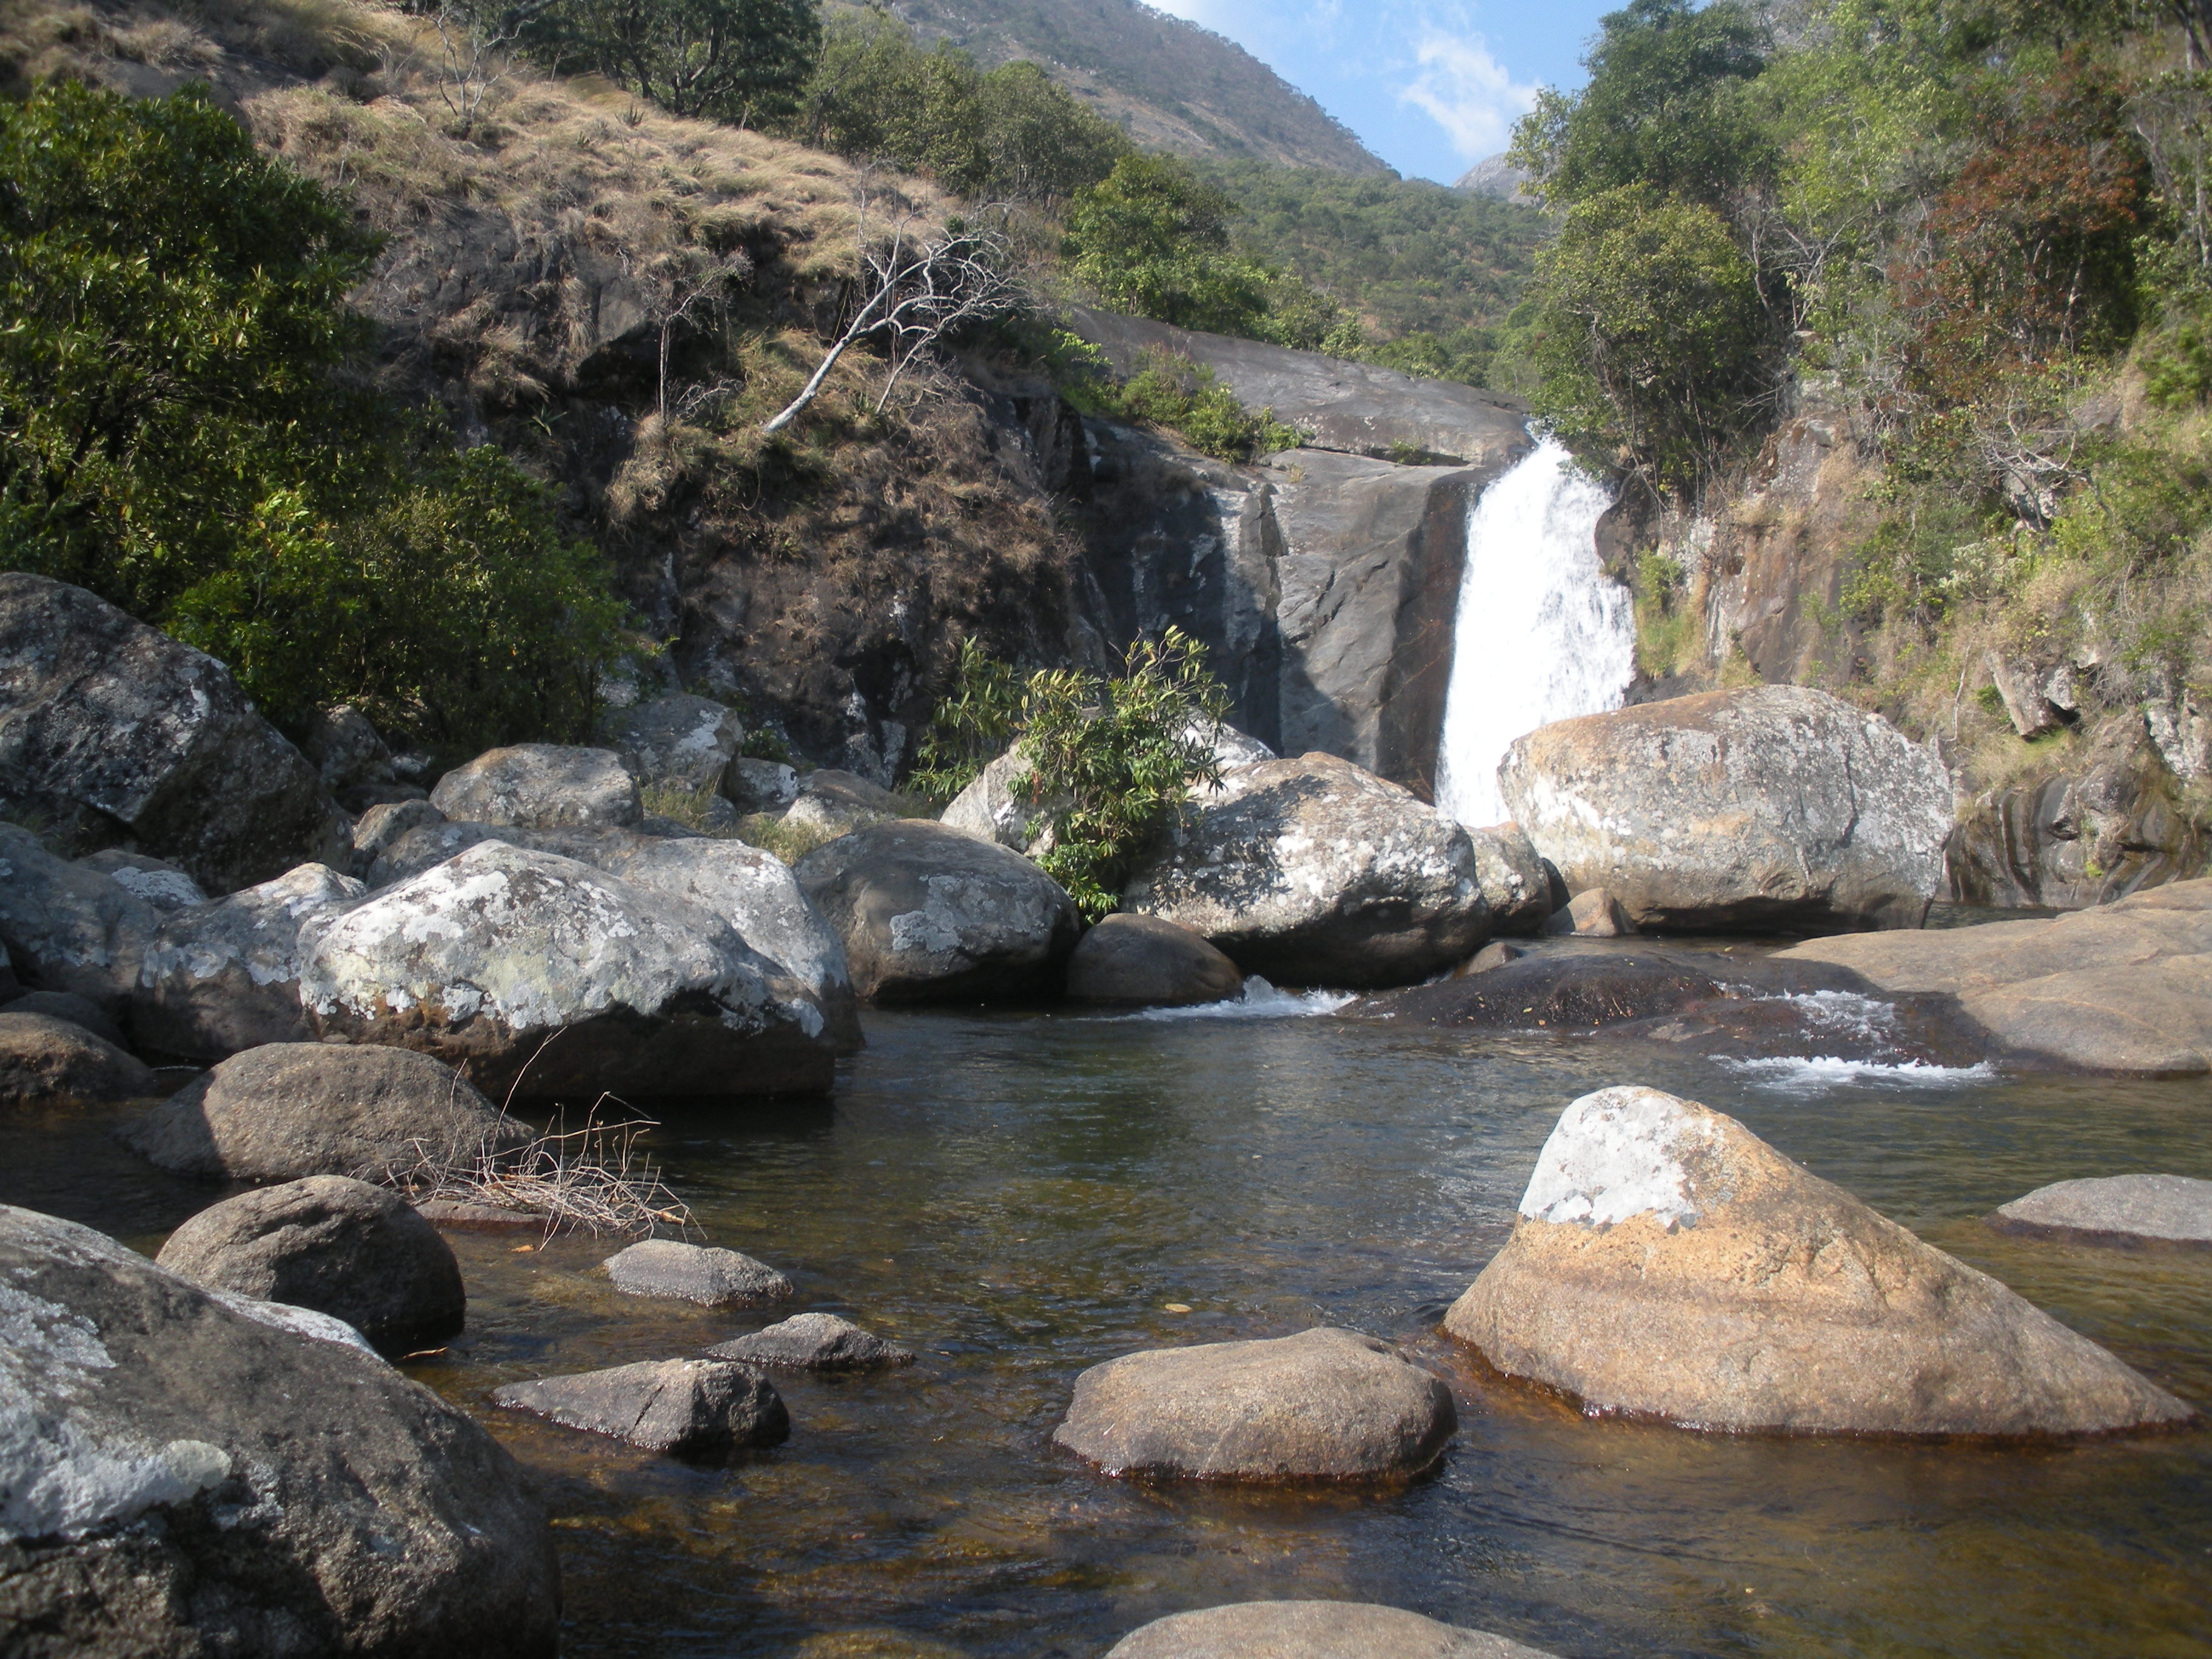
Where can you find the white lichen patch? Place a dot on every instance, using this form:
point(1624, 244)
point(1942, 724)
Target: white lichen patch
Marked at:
point(1620, 1152)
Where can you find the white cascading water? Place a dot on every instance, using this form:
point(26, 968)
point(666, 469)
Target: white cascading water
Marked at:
point(1542, 633)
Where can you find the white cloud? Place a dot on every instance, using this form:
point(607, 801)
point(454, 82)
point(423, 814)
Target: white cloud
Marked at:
point(1469, 94)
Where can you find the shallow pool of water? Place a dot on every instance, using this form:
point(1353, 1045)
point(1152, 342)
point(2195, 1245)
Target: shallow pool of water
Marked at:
point(1020, 1196)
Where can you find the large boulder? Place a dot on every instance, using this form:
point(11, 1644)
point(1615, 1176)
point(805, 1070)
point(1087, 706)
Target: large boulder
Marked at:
point(1325, 1405)
point(2126, 1210)
point(226, 977)
point(927, 912)
point(378, 827)
point(44, 1060)
point(679, 742)
point(180, 1474)
point(111, 731)
point(1310, 1630)
point(1313, 871)
point(292, 1109)
point(701, 1410)
point(1134, 962)
point(549, 978)
point(161, 884)
point(69, 1006)
point(992, 808)
point(68, 928)
point(542, 785)
point(831, 802)
point(1775, 808)
point(355, 1252)
point(429, 844)
point(2126, 987)
point(1667, 1261)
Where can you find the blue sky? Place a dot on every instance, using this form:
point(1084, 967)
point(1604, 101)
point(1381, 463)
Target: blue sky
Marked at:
point(1431, 85)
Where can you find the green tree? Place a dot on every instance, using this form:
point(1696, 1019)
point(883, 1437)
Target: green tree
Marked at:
point(739, 60)
point(1152, 238)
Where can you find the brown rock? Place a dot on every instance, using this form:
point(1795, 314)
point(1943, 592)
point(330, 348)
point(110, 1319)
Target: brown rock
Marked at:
point(44, 1060)
point(1144, 961)
point(1311, 1630)
point(1594, 914)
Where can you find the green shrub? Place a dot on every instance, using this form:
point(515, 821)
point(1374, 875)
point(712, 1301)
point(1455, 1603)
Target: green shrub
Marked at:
point(1172, 391)
point(972, 725)
point(740, 61)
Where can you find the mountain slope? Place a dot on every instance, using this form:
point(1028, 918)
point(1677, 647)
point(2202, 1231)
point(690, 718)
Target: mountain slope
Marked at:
point(1173, 85)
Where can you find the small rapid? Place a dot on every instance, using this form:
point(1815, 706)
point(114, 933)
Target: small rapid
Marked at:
point(1542, 633)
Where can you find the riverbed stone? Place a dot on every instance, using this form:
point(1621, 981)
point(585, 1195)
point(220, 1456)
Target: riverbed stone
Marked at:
point(1314, 872)
point(930, 913)
point(68, 928)
point(161, 885)
point(1594, 914)
point(1325, 1405)
point(111, 732)
point(551, 978)
point(1771, 808)
point(678, 742)
point(2125, 987)
point(188, 1472)
point(225, 976)
point(44, 1060)
point(696, 1273)
point(814, 1342)
point(292, 1109)
point(345, 1248)
point(1133, 961)
point(542, 785)
point(1668, 1262)
point(1311, 1630)
point(700, 1410)
point(76, 1010)
point(2129, 1209)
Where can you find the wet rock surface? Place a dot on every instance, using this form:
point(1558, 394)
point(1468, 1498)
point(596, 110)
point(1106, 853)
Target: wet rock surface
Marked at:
point(45, 1060)
point(814, 1342)
point(183, 1475)
point(696, 1273)
point(2129, 1209)
point(1667, 1261)
point(541, 785)
point(1325, 1405)
point(1133, 961)
point(701, 1410)
point(1311, 1630)
point(292, 1110)
point(1773, 809)
point(355, 1252)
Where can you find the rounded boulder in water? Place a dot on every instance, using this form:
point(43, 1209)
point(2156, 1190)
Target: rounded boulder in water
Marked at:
point(1668, 1262)
point(814, 1342)
point(2129, 1209)
point(695, 1273)
point(1311, 1630)
point(1141, 962)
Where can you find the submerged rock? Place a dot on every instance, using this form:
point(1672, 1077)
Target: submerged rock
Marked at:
point(542, 785)
point(1311, 1630)
point(929, 913)
point(45, 1061)
point(697, 1409)
point(814, 1342)
point(550, 978)
point(1668, 1262)
point(355, 1252)
point(111, 731)
point(696, 1272)
point(1773, 808)
point(1133, 961)
point(2129, 1209)
point(68, 928)
point(292, 1109)
point(1325, 1405)
point(181, 1473)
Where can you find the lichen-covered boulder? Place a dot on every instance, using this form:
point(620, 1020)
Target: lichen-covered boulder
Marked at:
point(833, 803)
point(68, 928)
point(1311, 1630)
point(1315, 871)
point(551, 978)
point(1775, 807)
point(183, 1472)
point(1139, 962)
point(1668, 1262)
point(381, 825)
point(48, 1062)
point(159, 883)
point(542, 785)
point(701, 1410)
point(930, 913)
point(111, 731)
point(680, 742)
point(429, 843)
point(226, 977)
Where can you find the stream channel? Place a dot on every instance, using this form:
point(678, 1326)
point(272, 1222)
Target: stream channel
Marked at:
point(1020, 1196)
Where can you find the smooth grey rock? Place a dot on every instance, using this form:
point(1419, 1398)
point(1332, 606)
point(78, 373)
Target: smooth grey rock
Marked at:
point(814, 1342)
point(381, 825)
point(1775, 807)
point(679, 741)
point(344, 1248)
point(183, 1472)
point(551, 978)
point(1314, 872)
point(76, 1010)
point(698, 1409)
point(344, 749)
point(541, 785)
point(226, 977)
point(1136, 961)
point(1667, 1261)
point(1311, 1630)
point(929, 913)
point(45, 1061)
point(68, 928)
point(2129, 1209)
point(159, 883)
point(837, 803)
point(1594, 914)
point(696, 1273)
point(1324, 1405)
point(990, 806)
point(292, 1109)
point(111, 731)
point(760, 786)
point(1515, 883)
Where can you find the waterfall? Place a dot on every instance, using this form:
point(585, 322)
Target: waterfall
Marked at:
point(1542, 633)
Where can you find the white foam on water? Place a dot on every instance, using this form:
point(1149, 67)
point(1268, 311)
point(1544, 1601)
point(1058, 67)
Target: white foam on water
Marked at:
point(1809, 1074)
point(1260, 1000)
point(1542, 633)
